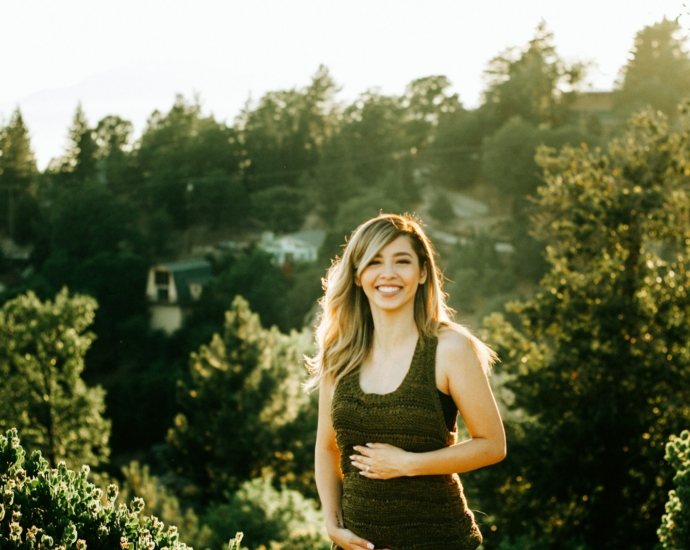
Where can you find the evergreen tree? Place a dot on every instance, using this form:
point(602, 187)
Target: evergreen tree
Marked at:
point(658, 73)
point(79, 163)
point(114, 161)
point(533, 83)
point(285, 133)
point(188, 163)
point(239, 409)
point(42, 393)
point(600, 363)
point(17, 175)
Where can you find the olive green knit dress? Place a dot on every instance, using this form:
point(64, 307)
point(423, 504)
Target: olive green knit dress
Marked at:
point(407, 513)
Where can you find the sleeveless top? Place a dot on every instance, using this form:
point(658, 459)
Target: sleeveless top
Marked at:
point(406, 513)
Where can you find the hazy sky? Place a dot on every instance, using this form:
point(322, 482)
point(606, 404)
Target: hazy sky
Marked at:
point(129, 57)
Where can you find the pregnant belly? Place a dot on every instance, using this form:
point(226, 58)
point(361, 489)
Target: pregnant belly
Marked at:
point(410, 512)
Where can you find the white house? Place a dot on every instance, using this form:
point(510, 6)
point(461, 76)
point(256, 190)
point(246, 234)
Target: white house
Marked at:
point(299, 247)
point(173, 287)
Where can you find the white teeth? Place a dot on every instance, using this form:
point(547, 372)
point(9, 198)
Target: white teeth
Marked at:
point(388, 289)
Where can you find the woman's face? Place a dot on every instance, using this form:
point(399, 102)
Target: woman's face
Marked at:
point(391, 278)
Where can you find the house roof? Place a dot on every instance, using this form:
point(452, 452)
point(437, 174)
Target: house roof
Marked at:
point(313, 237)
point(186, 273)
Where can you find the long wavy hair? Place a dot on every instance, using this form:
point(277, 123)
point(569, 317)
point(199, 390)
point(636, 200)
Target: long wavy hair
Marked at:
point(345, 330)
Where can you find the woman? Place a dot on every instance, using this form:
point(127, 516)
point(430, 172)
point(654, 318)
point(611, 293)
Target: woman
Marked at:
point(393, 372)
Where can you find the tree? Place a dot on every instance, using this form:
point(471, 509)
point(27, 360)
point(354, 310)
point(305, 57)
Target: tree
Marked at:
point(181, 152)
point(454, 154)
point(79, 163)
point(43, 395)
point(599, 361)
point(268, 518)
point(17, 177)
point(532, 83)
point(281, 209)
point(658, 73)
point(239, 406)
point(284, 134)
point(425, 101)
point(112, 135)
point(508, 156)
point(88, 219)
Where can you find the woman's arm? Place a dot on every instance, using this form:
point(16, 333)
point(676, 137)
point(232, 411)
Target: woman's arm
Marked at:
point(329, 477)
point(459, 373)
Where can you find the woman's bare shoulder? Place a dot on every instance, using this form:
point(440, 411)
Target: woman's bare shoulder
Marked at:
point(455, 345)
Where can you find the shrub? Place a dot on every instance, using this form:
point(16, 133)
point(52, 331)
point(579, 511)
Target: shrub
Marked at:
point(58, 508)
point(277, 519)
point(674, 532)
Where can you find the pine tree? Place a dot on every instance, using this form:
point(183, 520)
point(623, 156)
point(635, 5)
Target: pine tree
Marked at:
point(17, 168)
point(79, 164)
point(42, 393)
point(243, 411)
point(658, 73)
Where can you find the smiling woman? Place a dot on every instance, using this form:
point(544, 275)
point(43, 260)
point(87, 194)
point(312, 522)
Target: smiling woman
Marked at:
point(393, 372)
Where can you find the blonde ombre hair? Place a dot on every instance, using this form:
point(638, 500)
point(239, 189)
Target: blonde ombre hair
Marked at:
point(345, 331)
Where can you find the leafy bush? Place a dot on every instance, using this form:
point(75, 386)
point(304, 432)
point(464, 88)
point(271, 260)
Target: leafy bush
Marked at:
point(674, 532)
point(270, 518)
point(58, 508)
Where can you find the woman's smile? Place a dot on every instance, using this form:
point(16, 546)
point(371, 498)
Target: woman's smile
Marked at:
point(391, 278)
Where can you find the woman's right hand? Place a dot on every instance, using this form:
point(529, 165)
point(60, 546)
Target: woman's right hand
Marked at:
point(347, 540)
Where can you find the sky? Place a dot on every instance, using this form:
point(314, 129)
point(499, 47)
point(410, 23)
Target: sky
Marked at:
point(131, 57)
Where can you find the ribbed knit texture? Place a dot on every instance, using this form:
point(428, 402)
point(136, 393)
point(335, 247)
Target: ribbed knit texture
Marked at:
point(407, 513)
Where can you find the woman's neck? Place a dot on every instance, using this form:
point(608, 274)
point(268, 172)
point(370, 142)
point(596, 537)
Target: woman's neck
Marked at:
point(392, 331)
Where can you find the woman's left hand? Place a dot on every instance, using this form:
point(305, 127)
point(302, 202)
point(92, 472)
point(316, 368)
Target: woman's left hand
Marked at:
point(380, 460)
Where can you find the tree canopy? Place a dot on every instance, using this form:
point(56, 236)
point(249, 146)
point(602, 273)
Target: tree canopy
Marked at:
point(599, 364)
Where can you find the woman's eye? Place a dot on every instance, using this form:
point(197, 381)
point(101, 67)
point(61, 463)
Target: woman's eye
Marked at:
point(374, 262)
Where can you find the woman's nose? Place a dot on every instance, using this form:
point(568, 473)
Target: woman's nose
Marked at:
point(388, 269)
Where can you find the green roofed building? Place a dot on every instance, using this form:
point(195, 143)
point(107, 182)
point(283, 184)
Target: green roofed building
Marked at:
point(172, 288)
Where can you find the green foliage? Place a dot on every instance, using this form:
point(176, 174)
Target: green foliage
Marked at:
point(58, 508)
point(474, 271)
point(441, 208)
point(217, 199)
point(17, 161)
point(112, 135)
point(160, 227)
point(269, 518)
point(182, 152)
point(600, 363)
point(533, 83)
point(509, 155)
point(658, 73)
point(160, 502)
point(281, 209)
point(425, 101)
point(239, 408)
point(41, 360)
point(455, 150)
point(284, 134)
point(674, 532)
point(79, 163)
point(17, 179)
point(87, 219)
point(255, 277)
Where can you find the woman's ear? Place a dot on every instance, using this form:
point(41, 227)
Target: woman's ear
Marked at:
point(422, 275)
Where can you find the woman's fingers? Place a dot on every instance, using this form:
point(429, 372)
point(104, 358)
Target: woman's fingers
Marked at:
point(349, 541)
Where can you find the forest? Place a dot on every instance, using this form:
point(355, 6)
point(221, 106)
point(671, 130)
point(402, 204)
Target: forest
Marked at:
point(562, 221)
